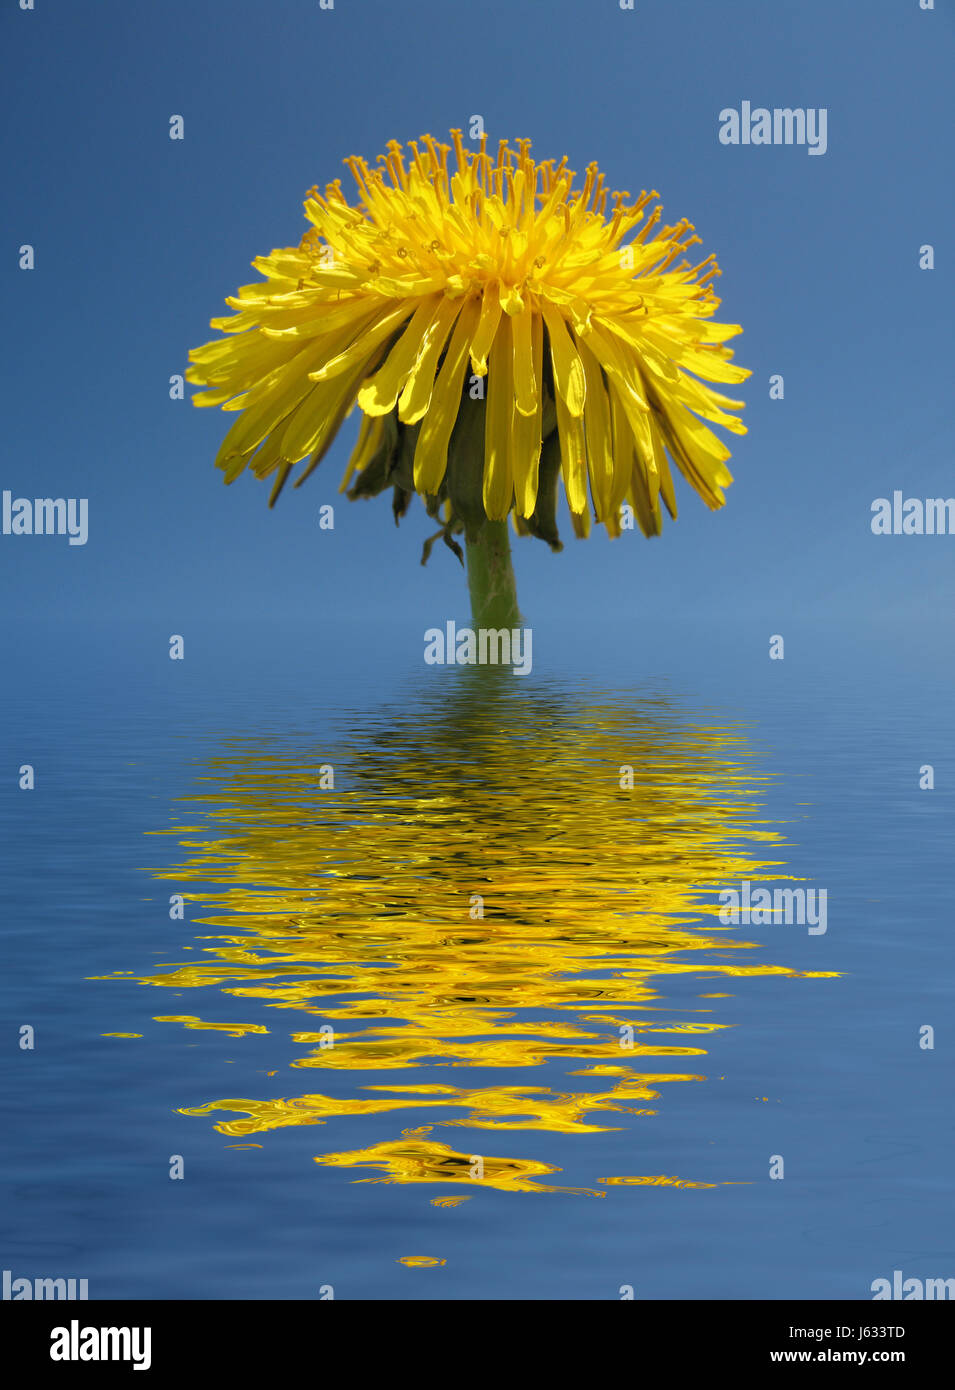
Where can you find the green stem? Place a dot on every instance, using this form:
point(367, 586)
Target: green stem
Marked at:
point(491, 578)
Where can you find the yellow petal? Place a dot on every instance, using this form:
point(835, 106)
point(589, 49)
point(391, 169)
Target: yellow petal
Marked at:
point(619, 368)
point(212, 397)
point(338, 404)
point(379, 395)
point(498, 420)
point(526, 434)
point(703, 470)
point(623, 446)
point(270, 410)
point(369, 437)
point(646, 506)
point(362, 346)
point(526, 375)
point(431, 451)
point(663, 469)
point(264, 461)
point(416, 396)
point(486, 329)
point(306, 428)
point(705, 362)
point(570, 384)
point(573, 458)
point(597, 431)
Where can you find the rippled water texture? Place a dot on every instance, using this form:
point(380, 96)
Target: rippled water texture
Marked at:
point(477, 894)
point(426, 995)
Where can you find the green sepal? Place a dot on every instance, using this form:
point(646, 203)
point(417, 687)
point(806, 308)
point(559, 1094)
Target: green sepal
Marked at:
point(464, 479)
point(376, 474)
point(543, 522)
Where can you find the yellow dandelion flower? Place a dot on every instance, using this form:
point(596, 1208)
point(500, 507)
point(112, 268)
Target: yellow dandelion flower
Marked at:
point(501, 328)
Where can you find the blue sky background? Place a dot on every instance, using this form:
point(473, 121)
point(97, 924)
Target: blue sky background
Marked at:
point(139, 239)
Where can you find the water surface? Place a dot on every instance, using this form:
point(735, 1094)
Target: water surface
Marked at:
point(448, 1010)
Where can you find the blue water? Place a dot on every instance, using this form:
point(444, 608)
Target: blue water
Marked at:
point(155, 777)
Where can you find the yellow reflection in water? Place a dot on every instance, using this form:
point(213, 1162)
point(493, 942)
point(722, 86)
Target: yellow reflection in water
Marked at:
point(486, 888)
